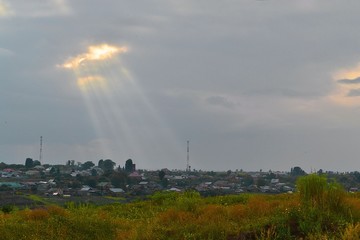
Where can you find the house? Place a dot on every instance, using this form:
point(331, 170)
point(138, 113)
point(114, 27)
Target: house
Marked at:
point(32, 173)
point(104, 186)
point(39, 168)
point(13, 185)
point(274, 181)
point(116, 191)
point(221, 183)
point(135, 175)
point(85, 191)
point(174, 189)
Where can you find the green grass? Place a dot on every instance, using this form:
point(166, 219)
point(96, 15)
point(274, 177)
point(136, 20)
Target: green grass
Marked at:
point(190, 216)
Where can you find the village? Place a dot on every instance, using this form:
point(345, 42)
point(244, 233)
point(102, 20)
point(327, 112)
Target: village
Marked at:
point(81, 180)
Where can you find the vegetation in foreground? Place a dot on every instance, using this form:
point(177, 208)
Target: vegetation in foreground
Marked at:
point(319, 210)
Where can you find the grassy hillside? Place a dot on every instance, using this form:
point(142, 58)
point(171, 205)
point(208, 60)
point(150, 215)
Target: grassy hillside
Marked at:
point(321, 210)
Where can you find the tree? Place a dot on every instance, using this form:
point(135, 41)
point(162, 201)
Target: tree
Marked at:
point(53, 171)
point(100, 163)
point(161, 175)
point(129, 166)
point(247, 180)
point(260, 182)
point(87, 165)
point(91, 182)
point(297, 171)
point(118, 179)
point(29, 163)
point(70, 163)
point(108, 165)
point(36, 163)
point(164, 182)
point(93, 172)
point(3, 165)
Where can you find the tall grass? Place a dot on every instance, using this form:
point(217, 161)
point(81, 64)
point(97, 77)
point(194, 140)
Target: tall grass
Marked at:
point(308, 214)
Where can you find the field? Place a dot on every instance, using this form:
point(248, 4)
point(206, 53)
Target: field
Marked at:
point(319, 210)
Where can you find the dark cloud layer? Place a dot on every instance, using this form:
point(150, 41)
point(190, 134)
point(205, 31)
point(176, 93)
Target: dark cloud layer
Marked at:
point(246, 81)
point(354, 93)
point(349, 81)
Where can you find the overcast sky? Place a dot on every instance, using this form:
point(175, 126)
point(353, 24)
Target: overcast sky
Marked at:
point(252, 84)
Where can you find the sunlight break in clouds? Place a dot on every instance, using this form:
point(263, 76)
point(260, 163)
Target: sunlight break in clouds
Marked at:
point(94, 53)
point(347, 86)
point(4, 9)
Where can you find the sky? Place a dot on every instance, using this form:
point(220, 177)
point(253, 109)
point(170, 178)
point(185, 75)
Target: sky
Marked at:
point(252, 84)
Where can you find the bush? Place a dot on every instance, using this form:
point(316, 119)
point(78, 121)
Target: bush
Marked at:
point(316, 192)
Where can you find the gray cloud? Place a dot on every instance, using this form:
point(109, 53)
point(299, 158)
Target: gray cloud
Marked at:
point(220, 101)
point(189, 60)
point(5, 52)
point(354, 93)
point(349, 81)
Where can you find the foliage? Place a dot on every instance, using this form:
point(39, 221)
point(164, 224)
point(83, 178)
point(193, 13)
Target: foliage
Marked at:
point(161, 174)
point(29, 163)
point(36, 163)
point(316, 192)
point(118, 179)
point(312, 190)
point(297, 171)
point(187, 215)
point(87, 165)
point(108, 165)
point(129, 167)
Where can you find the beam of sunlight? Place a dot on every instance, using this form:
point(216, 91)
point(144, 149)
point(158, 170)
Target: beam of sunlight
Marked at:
point(120, 110)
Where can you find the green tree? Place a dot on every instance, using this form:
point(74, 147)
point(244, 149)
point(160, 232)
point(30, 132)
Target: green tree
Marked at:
point(87, 165)
point(29, 163)
point(118, 179)
point(297, 171)
point(91, 182)
point(53, 171)
point(100, 163)
point(164, 182)
point(260, 182)
point(70, 163)
point(161, 175)
point(247, 180)
point(129, 166)
point(108, 165)
point(94, 172)
point(36, 163)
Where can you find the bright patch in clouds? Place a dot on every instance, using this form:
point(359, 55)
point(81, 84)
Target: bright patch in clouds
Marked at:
point(94, 53)
point(4, 9)
point(347, 86)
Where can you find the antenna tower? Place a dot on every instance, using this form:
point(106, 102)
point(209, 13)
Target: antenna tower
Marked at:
point(188, 157)
point(40, 156)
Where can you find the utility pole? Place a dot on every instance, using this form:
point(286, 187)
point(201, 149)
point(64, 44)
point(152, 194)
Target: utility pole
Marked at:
point(188, 168)
point(41, 143)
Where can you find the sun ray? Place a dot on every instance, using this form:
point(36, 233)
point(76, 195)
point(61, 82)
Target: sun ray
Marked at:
point(118, 107)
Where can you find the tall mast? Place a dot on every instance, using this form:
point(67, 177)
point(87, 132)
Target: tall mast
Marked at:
point(41, 143)
point(188, 157)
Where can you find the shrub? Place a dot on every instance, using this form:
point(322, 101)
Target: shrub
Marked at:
point(312, 190)
point(316, 192)
point(7, 208)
